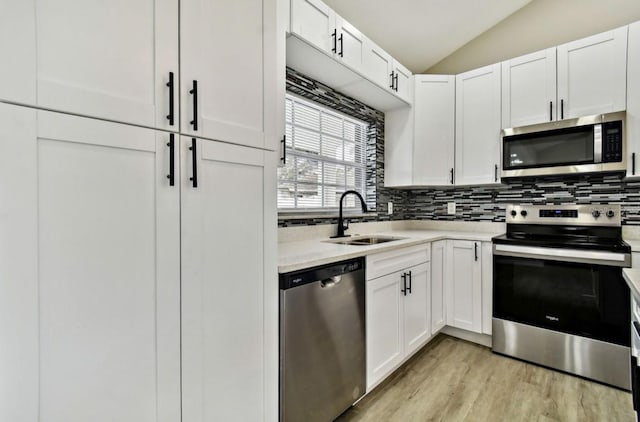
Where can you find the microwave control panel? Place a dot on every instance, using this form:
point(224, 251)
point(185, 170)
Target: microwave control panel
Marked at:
point(612, 142)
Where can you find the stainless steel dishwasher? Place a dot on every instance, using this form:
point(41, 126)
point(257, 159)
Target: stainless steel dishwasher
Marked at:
point(322, 341)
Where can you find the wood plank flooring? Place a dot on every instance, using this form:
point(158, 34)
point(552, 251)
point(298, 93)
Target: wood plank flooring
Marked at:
point(454, 380)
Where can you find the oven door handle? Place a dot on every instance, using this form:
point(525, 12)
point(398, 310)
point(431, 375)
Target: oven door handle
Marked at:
point(615, 259)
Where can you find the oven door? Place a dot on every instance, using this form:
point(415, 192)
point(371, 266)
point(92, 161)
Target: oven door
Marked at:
point(576, 295)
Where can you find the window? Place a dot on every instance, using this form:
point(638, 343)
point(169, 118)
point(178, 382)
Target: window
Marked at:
point(326, 155)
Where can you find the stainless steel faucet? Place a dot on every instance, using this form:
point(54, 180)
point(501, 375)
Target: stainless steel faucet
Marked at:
point(341, 226)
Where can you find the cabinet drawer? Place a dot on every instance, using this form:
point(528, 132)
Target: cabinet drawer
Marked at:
point(388, 262)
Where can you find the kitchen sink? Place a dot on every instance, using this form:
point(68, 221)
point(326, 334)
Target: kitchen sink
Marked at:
point(364, 240)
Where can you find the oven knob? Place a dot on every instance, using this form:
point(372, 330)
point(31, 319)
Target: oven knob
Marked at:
point(595, 213)
point(513, 213)
point(523, 213)
point(610, 213)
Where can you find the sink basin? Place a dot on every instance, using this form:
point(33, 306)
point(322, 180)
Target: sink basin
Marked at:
point(364, 240)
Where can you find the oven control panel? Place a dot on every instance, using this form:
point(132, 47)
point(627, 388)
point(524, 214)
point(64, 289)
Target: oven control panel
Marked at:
point(586, 215)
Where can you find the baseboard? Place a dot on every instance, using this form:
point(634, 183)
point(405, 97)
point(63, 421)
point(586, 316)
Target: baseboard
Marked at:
point(482, 339)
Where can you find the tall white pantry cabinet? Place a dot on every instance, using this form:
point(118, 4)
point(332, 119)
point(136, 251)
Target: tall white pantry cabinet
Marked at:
point(138, 277)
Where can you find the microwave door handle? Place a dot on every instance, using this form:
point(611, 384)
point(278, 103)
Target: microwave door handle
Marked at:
point(597, 143)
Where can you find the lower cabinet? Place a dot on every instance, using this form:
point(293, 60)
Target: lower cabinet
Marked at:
point(397, 310)
point(464, 288)
point(95, 218)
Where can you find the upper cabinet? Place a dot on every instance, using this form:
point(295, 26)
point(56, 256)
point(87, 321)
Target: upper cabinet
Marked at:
point(633, 101)
point(529, 89)
point(592, 73)
point(223, 66)
point(344, 58)
point(477, 143)
point(552, 84)
point(91, 59)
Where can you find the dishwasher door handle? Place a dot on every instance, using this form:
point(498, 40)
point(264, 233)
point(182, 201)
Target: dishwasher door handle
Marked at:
point(331, 281)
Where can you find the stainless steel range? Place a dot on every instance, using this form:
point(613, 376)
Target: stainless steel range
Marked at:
point(559, 299)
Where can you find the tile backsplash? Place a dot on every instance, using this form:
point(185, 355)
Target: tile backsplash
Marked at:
point(473, 203)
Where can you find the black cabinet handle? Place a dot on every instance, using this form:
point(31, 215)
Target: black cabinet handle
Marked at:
point(171, 144)
point(194, 158)
point(395, 78)
point(410, 281)
point(341, 46)
point(475, 249)
point(194, 92)
point(392, 73)
point(451, 171)
point(171, 114)
point(561, 109)
point(335, 45)
point(633, 163)
point(495, 172)
point(284, 149)
point(404, 284)
point(550, 111)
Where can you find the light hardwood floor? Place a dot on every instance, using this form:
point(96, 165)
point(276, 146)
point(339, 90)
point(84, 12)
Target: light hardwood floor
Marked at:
point(454, 380)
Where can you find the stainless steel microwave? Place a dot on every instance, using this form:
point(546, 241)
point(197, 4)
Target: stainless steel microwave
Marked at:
point(584, 145)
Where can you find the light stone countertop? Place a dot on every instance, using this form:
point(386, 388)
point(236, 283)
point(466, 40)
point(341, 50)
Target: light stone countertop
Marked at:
point(632, 277)
point(309, 253)
point(635, 245)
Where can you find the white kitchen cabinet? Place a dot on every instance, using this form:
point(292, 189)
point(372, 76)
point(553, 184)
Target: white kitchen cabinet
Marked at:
point(529, 89)
point(225, 280)
point(397, 308)
point(633, 101)
point(399, 147)
point(434, 121)
point(439, 273)
point(592, 74)
point(227, 69)
point(464, 285)
point(384, 326)
point(417, 307)
point(378, 65)
point(18, 70)
point(402, 81)
point(318, 24)
point(90, 58)
point(477, 143)
point(487, 287)
point(90, 308)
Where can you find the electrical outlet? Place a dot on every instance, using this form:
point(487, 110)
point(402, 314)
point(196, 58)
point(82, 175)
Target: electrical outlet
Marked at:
point(451, 208)
point(389, 208)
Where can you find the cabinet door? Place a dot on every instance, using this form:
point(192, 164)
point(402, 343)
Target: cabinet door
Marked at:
point(417, 309)
point(223, 281)
point(314, 22)
point(487, 287)
point(403, 82)
point(438, 277)
point(350, 44)
point(529, 89)
point(592, 73)
point(225, 63)
point(398, 147)
point(434, 120)
point(633, 101)
point(464, 289)
point(95, 59)
point(18, 48)
point(377, 65)
point(478, 126)
point(384, 326)
point(90, 279)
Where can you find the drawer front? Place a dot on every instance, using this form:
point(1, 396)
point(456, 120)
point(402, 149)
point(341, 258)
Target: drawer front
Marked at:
point(388, 262)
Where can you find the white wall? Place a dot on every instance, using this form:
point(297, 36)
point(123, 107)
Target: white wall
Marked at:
point(540, 24)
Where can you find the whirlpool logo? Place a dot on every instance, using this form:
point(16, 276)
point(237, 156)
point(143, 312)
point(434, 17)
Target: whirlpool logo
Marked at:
point(552, 318)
